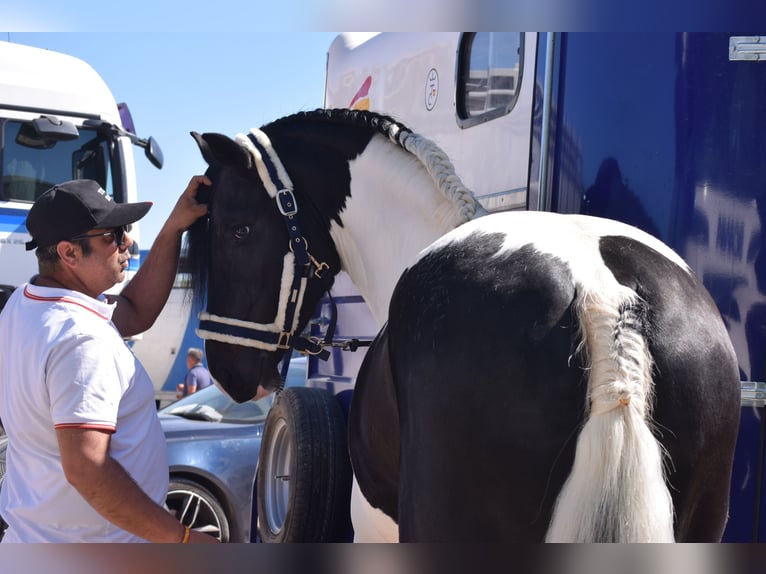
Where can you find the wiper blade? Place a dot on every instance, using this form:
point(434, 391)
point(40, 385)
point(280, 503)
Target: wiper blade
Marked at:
point(201, 413)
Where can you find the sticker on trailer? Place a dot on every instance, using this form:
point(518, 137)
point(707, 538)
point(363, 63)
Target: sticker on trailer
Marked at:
point(361, 101)
point(432, 89)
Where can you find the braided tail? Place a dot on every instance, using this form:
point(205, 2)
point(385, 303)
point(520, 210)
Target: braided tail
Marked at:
point(616, 491)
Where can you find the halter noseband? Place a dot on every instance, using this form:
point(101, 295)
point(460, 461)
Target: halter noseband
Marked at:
point(299, 266)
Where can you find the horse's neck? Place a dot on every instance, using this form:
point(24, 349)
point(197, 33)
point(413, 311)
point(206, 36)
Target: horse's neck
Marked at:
point(395, 210)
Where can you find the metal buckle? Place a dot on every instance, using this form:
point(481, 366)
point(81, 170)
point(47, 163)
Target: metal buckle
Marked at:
point(320, 269)
point(283, 342)
point(286, 202)
point(318, 346)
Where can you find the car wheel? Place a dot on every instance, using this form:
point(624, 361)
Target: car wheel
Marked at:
point(304, 473)
point(194, 505)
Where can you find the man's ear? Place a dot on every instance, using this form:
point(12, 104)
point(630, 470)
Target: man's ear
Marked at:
point(69, 253)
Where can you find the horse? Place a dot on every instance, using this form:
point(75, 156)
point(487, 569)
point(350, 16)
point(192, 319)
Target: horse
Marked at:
point(537, 376)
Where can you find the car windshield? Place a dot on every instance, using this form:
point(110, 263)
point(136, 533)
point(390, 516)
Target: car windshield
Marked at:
point(212, 404)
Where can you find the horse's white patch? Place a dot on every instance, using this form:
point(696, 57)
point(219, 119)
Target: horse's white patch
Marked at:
point(573, 238)
point(394, 212)
point(370, 524)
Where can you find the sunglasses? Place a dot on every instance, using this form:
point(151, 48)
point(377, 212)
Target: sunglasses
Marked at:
point(118, 233)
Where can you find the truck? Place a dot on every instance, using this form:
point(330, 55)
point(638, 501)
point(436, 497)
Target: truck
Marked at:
point(59, 121)
point(663, 131)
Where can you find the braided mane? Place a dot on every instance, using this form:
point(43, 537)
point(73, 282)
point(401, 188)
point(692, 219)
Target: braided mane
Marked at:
point(433, 158)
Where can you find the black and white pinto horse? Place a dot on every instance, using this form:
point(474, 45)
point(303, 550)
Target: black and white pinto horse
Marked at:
point(537, 377)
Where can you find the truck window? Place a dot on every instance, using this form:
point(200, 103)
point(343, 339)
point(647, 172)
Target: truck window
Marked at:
point(31, 165)
point(489, 75)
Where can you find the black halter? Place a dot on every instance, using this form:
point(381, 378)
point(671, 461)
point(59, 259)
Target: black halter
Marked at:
point(281, 333)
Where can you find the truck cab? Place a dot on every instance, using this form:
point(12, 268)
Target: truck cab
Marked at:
point(58, 121)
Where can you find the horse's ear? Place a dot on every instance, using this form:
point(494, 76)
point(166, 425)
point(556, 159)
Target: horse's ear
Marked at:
point(218, 149)
point(203, 147)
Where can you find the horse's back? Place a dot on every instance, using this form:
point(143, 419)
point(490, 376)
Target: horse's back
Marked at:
point(482, 339)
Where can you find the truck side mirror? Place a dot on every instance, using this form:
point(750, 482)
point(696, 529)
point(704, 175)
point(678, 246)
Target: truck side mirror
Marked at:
point(154, 153)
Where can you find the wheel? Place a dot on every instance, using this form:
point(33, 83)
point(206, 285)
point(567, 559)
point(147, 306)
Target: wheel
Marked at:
point(194, 505)
point(304, 473)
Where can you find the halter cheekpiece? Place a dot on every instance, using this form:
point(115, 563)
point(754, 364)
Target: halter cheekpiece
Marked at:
point(299, 267)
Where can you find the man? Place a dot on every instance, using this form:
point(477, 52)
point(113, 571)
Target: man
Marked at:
point(197, 376)
point(86, 455)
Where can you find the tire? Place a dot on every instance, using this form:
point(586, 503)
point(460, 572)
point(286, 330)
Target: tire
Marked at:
point(304, 473)
point(194, 505)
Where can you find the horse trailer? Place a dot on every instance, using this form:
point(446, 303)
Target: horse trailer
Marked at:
point(659, 130)
point(59, 121)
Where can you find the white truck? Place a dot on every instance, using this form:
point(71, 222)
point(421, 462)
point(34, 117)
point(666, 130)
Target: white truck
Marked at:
point(58, 121)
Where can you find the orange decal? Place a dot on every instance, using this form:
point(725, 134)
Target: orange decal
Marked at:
point(361, 101)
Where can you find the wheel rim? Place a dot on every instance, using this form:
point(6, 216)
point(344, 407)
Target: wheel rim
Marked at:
point(277, 487)
point(194, 510)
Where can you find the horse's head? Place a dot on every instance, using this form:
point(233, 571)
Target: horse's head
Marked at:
point(251, 256)
point(251, 265)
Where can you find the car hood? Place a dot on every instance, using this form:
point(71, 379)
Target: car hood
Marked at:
point(176, 427)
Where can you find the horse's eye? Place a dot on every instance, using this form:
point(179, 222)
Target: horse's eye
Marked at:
point(241, 232)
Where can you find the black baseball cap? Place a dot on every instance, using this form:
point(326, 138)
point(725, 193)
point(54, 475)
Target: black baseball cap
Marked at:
point(75, 207)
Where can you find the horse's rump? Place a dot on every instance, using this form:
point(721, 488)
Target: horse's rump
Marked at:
point(483, 337)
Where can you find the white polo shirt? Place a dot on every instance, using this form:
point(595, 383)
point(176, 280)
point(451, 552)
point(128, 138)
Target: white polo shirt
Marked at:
point(63, 364)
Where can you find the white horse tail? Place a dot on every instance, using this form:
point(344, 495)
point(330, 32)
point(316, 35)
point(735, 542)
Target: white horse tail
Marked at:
point(616, 491)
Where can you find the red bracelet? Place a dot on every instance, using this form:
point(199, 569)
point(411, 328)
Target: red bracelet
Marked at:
point(187, 534)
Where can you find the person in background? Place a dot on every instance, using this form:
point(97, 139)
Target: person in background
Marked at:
point(86, 458)
point(197, 378)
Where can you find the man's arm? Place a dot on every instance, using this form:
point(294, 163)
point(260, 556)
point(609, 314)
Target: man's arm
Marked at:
point(142, 299)
point(110, 490)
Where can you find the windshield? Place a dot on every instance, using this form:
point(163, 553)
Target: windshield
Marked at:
point(31, 165)
point(211, 404)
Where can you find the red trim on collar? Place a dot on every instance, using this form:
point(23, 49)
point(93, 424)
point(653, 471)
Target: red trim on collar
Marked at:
point(34, 297)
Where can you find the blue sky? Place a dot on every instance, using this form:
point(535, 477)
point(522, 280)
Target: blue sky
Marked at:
point(175, 83)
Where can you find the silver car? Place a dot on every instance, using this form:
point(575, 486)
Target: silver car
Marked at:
point(213, 446)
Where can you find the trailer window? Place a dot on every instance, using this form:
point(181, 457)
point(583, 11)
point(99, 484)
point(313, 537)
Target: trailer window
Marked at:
point(489, 75)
